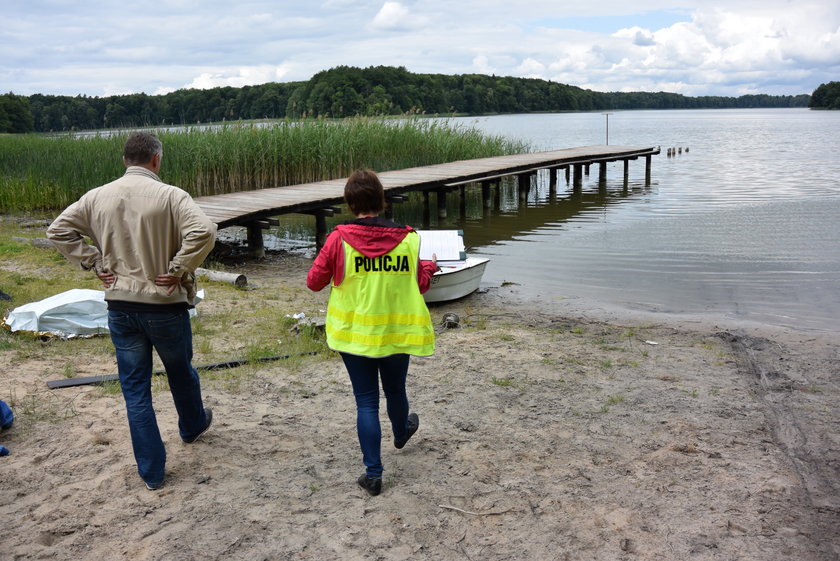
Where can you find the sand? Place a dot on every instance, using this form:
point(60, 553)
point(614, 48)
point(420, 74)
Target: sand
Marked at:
point(544, 434)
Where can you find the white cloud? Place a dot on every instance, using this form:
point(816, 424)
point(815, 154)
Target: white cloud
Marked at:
point(480, 65)
point(531, 68)
point(395, 16)
point(238, 77)
point(639, 36)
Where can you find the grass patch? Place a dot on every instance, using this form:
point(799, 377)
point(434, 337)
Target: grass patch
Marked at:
point(252, 326)
point(41, 405)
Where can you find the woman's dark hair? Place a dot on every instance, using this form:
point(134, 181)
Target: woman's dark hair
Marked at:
point(363, 193)
point(140, 148)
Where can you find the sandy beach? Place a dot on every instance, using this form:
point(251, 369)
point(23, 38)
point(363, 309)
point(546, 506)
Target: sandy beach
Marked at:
point(544, 435)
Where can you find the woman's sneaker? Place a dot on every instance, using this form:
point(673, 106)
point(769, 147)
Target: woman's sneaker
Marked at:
point(373, 485)
point(413, 425)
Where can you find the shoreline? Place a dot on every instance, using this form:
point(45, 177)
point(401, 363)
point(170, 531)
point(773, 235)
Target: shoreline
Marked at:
point(584, 307)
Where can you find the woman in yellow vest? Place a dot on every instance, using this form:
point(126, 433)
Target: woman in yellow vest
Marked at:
point(376, 317)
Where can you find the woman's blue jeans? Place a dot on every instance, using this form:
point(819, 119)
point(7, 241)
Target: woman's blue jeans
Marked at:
point(134, 335)
point(365, 373)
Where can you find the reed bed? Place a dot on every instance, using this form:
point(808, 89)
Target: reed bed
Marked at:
point(46, 173)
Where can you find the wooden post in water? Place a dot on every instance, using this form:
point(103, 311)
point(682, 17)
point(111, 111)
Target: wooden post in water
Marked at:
point(320, 215)
point(441, 203)
point(602, 174)
point(393, 200)
point(462, 206)
point(552, 181)
point(647, 169)
point(568, 173)
point(524, 185)
point(256, 246)
point(320, 230)
point(626, 173)
point(578, 179)
point(486, 200)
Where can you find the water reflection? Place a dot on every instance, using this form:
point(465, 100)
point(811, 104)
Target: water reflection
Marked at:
point(509, 218)
point(485, 223)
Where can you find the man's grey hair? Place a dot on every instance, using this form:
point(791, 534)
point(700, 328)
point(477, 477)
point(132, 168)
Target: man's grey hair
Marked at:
point(140, 148)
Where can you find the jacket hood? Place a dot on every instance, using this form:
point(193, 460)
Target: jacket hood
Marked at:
point(372, 241)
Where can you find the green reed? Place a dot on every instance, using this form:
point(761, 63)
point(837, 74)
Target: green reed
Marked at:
point(39, 172)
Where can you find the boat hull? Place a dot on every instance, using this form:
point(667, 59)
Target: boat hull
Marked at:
point(451, 283)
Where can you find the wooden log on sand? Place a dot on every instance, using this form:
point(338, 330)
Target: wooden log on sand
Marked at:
point(239, 281)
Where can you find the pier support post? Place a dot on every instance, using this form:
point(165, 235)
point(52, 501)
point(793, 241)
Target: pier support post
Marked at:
point(552, 181)
point(320, 231)
point(586, 169)
point(647, 170)
point(602, 174)
point(626, 173)
point(524, 186)
point(486, 200)
point(441, 203)
point(321, 224)
point(256, 246)
point(427, 214)
point(568, 173)
point(578, 176)
point(462, 202)
point(393, 200)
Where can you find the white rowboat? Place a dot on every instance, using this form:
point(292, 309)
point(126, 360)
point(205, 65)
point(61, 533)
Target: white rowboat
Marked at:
point(453, 282)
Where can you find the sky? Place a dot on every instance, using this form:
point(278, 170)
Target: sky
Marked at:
point(693, 47)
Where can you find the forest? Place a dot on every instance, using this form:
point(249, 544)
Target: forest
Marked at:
point(345, 92)
point(826, 96)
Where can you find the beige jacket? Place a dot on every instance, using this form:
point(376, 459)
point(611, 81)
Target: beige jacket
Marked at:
point(140, 228)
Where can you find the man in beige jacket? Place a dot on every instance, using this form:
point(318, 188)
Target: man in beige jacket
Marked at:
point(147, 240)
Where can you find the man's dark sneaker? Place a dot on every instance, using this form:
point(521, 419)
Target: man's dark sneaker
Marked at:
point(207, 413)
point(373, 485)
point(413, 425)
point(153, 487)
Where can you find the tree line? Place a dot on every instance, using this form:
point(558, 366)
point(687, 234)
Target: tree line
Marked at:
point(826, 96)
point(345, 92)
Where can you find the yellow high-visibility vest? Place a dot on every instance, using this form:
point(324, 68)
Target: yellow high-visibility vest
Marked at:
point(378, 310)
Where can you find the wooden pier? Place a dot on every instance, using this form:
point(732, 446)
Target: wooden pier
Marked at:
point(255, 209)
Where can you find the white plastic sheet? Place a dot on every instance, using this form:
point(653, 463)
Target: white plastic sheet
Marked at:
point(79, 312)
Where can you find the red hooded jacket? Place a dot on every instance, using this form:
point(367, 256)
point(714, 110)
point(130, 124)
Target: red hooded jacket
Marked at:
point(370, 236)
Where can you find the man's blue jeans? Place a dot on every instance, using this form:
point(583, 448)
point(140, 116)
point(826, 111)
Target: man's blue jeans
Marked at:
point(365, 373)
point(134, 335)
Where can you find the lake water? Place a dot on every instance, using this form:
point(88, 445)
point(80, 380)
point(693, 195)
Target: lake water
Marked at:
point(744, 226)
point(741, 227)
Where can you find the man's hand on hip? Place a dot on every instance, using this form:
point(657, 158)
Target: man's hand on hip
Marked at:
point(168, 280)
point(107, 279)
